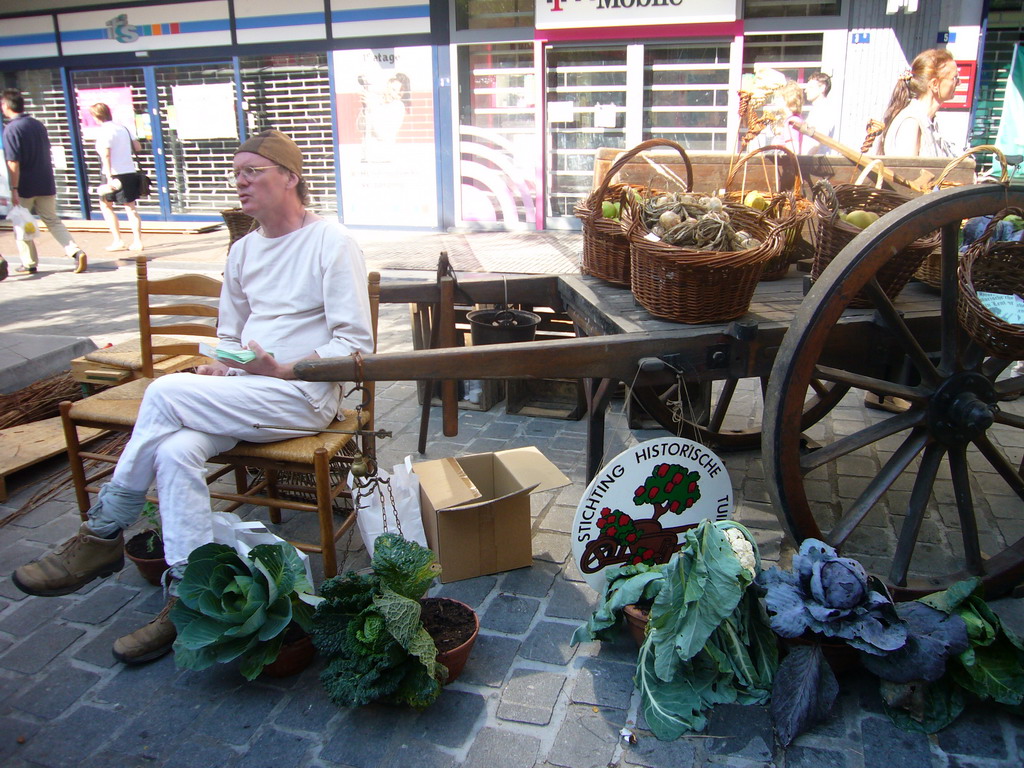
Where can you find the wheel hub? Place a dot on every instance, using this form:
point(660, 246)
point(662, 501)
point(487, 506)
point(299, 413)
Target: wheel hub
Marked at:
point(962, 408)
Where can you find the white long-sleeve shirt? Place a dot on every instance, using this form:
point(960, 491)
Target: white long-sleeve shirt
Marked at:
point(296, 294)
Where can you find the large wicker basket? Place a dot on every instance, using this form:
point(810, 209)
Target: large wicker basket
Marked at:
point(832, 234)
point(239, 224)
point(777, 177)
point(930, 271)
point(995, 267)
point(693, 286)
point(605, 244)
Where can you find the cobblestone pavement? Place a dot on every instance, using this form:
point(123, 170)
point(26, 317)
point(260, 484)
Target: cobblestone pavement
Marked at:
point(526, 698)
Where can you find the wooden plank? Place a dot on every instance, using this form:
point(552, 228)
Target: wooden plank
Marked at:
point(28, 444)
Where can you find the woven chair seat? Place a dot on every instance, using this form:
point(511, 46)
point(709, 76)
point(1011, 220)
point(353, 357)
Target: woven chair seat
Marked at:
point(300, 449)
point(128, 354)
point(117, 406)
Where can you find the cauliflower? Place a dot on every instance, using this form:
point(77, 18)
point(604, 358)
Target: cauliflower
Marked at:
point(743, 548)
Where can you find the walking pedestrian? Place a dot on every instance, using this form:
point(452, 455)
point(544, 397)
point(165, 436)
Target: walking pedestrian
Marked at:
point(30, 168)
point(115, 145)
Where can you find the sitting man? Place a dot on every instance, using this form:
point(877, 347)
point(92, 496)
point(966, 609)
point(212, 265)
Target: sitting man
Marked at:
point(294, 289)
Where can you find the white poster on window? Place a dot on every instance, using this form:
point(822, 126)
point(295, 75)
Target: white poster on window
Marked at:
point(385, 119)
point(205, 111)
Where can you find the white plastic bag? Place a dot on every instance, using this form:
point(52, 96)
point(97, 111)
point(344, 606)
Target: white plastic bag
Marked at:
point(243, 535)
point(25, 227)
point(403, 517)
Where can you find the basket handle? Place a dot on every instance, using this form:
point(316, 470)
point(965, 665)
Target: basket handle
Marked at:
point(791, 158)
point(827, 193)
point(990, 228)
point(1004, 175)
point(878, 167)
point(625, 157)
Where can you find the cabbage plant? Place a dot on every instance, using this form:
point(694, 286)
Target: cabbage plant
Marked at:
point(230, 607)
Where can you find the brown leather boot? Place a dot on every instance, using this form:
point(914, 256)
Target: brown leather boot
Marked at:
point(150, 642)
point(76, 562)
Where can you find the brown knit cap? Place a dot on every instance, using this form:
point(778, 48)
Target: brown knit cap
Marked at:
point(277, 147)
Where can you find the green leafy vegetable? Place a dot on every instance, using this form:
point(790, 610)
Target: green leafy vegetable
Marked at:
point(232, 608)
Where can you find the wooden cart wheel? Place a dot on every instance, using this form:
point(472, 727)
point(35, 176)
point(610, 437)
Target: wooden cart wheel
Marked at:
point(711, 415)
point(930, 495)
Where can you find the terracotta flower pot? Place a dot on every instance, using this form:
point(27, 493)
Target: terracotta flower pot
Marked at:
point(149, 559)
point(440, 614)
point(636, 622)
point(295, 655)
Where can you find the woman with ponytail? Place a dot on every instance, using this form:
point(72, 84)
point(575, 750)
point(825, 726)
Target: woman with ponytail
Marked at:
point(910, 129)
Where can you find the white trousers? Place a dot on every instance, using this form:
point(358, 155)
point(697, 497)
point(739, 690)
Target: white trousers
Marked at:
point(184, 420)
point(45, 207)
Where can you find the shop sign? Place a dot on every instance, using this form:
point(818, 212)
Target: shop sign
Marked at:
point(145, 28)
point(569, 14)
point(271, 21)
point(28, 38)
point(638, 508)
point(372, 18)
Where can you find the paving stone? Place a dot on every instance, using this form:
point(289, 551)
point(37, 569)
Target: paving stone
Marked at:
point(571, 600)
point(375, 725)
point(652, 753)
point(13, 729)
point(134, 684)
point(977, 732)
point(108, 757)
point(201, 752)
point(65, 742)
point(98, 650)
point(417, 752)
point(530, 696)
point(155, 731)
point(490, 660)
point(743, 731)
point(472, 592)
point(551, 547)
point(886, 746)
point(40, 648)
point(500, 748)
point(450, 720)
point(509, 614)
point(534, 581)
point(100, 605)
point(277, 749)
point(798, 756)
point(236, 718)
point(308, 708)
point(586, 738)
point(54, 693)
point(29, 615)
point(548, 641)
point(604, 684)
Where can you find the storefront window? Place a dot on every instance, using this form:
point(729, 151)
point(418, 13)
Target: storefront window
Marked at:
point(498, 140)
point(493, 14)
point(686, 95)
point(795, 55)
point(762, 9)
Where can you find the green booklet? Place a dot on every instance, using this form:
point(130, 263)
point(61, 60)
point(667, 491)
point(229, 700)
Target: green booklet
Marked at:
point(241, 356)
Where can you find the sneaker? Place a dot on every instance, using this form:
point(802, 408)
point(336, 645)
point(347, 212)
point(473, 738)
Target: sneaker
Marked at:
point(81, 261)
point(25, 270)
point(150, 642)
point(118, 246)
point(76, 562)
point(136, 246)
point(3, 268)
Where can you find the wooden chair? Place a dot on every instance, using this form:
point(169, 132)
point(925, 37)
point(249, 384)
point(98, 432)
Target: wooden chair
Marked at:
point(311, 466)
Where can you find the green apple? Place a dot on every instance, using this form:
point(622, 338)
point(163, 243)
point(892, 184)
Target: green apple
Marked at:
point(755, 200)
point(861, 219)
point(611, 210)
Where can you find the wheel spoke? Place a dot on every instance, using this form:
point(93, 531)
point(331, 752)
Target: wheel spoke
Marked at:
point(722, 406)
point(893, 322)
point(1009, 419)
point(869, 383)
point(965, 509)
point(1002, 465)
point(859, 439)
point(877, 486)
point(923, 484)
point(949, 325)
point(994, 366)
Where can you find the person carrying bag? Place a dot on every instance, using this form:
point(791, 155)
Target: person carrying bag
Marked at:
point(116, 147)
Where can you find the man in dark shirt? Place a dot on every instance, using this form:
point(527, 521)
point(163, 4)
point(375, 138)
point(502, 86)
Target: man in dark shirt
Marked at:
point(30, 168)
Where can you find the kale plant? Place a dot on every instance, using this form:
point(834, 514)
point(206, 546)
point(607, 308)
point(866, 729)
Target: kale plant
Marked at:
point(369, 630)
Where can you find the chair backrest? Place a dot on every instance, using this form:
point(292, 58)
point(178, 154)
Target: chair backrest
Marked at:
point(191, 286)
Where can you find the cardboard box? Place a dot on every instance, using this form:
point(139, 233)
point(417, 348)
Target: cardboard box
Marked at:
point(476, 509)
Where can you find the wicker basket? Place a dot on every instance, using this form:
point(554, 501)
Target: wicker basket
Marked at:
point(996, 267)
point(787, 208)
point(692, 286)
point(605, 244)
point(239, 224)
point(930, 271)
point(832, 234)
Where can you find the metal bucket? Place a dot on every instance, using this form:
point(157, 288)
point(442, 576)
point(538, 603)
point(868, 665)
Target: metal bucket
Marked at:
point(501, 326)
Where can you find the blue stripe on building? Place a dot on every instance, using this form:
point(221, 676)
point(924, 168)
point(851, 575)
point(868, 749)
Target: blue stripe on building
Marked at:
point(287, 20)
point(38, 38)
point(381, 14)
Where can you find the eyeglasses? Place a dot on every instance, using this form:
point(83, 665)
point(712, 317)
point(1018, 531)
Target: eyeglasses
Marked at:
point(249, 172)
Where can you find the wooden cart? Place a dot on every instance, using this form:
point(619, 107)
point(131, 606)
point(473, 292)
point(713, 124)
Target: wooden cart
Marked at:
point(956, 452)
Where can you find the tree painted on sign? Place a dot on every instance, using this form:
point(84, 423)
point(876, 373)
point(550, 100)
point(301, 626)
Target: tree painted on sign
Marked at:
point(670, 488)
